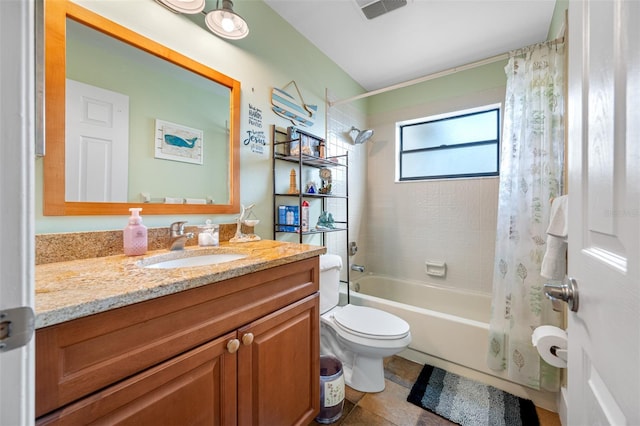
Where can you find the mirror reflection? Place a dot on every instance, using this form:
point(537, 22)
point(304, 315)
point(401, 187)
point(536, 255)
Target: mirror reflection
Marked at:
point(129, 121)
point(136, 124)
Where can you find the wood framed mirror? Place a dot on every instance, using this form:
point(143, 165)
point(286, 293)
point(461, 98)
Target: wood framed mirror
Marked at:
point(60, 16)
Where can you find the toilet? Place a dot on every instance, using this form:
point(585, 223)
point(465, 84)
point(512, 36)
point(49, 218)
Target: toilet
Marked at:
point(359, 336)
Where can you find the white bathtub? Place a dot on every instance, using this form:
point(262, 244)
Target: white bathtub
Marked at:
point(449, 328)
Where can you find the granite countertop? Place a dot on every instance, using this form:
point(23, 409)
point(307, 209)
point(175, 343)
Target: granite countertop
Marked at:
point(78, 288)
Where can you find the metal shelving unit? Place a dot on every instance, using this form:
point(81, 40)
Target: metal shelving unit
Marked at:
point(281, 142)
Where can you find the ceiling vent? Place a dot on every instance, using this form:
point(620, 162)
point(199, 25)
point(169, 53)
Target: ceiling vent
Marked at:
point(373, 9)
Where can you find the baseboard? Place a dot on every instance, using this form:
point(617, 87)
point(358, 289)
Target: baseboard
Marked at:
point(542, 399)
point(562, 405)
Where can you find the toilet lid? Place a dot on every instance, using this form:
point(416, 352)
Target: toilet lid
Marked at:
point(370, 322)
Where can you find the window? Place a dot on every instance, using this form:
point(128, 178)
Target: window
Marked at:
point(462, 144)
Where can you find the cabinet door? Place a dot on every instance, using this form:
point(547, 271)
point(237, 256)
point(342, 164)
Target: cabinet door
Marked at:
point(195, 388)
point(279, 367)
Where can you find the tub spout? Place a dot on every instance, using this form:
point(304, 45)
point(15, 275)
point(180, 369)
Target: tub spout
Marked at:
point(357, 268)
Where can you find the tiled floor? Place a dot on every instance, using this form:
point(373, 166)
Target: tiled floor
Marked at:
point(390, 407)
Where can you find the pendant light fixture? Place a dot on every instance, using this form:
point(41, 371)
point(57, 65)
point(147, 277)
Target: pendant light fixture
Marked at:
point(183, 6)
point(222, 21)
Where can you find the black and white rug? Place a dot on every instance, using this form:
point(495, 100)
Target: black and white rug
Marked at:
point(469, 403)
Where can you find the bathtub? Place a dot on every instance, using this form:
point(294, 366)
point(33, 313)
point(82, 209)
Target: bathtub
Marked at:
point(449, 328)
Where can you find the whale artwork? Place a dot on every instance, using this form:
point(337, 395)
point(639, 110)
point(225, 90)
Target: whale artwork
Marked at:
point(178, 141)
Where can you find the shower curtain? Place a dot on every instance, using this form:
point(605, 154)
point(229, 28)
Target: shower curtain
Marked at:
point(531, 169)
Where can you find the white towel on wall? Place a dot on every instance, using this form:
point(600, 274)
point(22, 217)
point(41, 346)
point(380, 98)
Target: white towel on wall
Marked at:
point(558, 217)
point(195, 201)
point(173, 200)
point(554, 262)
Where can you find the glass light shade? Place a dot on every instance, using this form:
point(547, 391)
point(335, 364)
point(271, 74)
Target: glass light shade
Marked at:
point(183, 6)
point(225, 23)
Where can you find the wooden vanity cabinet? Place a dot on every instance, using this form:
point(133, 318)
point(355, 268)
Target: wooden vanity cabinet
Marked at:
point(242, 351)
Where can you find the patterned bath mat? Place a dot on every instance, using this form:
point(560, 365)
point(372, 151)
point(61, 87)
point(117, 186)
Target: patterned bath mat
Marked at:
point(468, 402)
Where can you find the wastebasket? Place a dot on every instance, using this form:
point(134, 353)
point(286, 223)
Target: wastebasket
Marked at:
point(331, 389)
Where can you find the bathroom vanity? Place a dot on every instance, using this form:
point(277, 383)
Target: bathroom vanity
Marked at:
point(231, 343)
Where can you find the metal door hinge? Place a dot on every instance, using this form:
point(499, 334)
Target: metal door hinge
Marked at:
point(16, 327)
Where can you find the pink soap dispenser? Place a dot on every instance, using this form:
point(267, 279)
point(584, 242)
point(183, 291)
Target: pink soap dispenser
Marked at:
point(135, 234)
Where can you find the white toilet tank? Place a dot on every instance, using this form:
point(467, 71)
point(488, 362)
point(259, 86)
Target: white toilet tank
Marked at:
point(330, 266)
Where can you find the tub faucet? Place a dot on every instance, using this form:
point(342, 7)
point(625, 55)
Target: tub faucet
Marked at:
point(358, 268)
point(178, 236)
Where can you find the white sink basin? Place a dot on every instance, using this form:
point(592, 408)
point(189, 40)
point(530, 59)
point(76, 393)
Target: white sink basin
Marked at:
point(198, 260)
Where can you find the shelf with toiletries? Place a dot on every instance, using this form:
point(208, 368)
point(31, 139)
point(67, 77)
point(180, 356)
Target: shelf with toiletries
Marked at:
point(309, 188)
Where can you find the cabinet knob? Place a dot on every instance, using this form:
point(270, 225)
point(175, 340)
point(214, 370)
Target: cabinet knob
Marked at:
point(247, 339)
point(233, 345)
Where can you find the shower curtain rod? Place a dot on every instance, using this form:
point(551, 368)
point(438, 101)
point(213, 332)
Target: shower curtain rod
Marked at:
point(439, 74)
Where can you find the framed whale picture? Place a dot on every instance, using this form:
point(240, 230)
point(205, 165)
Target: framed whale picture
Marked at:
point(178, 143)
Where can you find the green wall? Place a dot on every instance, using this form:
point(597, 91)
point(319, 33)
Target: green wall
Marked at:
point(462, 83)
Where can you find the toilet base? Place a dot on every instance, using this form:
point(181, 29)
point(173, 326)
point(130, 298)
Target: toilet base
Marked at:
point(362, 373)
point(366, 375)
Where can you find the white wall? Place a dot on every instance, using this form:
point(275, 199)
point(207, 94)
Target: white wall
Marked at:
point(407, 223)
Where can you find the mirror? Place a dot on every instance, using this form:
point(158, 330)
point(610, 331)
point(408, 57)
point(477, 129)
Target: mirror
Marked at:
point(166, 137)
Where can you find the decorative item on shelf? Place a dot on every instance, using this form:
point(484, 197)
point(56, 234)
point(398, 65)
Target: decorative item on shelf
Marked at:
point(293, 182)
point(294, 137)
point(321, 150)
point(304, 217)
point(305, 145)
point(296, 110)
point(325, 221)
point(247, 217)
point(325, 190)
point(325, 176)
point(312, 188)
point(288, 218)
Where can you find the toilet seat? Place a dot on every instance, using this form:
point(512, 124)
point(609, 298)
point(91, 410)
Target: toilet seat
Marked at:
point(370, 323)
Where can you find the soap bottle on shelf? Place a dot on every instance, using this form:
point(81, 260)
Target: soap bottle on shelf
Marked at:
point(135, 234)
point(304, 216)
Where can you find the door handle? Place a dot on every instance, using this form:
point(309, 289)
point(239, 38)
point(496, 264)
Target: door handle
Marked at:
point(564, 292)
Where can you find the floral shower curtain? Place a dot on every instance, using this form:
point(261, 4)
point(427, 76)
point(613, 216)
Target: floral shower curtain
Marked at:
point(530, 176)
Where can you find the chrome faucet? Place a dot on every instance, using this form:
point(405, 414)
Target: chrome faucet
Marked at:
point(358, 268)
point(178, 236)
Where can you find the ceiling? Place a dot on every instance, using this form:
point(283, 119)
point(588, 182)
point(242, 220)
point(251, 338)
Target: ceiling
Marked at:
point(423, 37)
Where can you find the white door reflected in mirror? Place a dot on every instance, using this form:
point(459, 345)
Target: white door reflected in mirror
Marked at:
point(97, 144)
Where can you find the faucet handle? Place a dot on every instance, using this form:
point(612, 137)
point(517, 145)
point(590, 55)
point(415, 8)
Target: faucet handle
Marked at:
point(177, 228)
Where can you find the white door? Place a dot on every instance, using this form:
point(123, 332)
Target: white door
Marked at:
point(16, 201)
point(604, 208)
point(97, 144)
